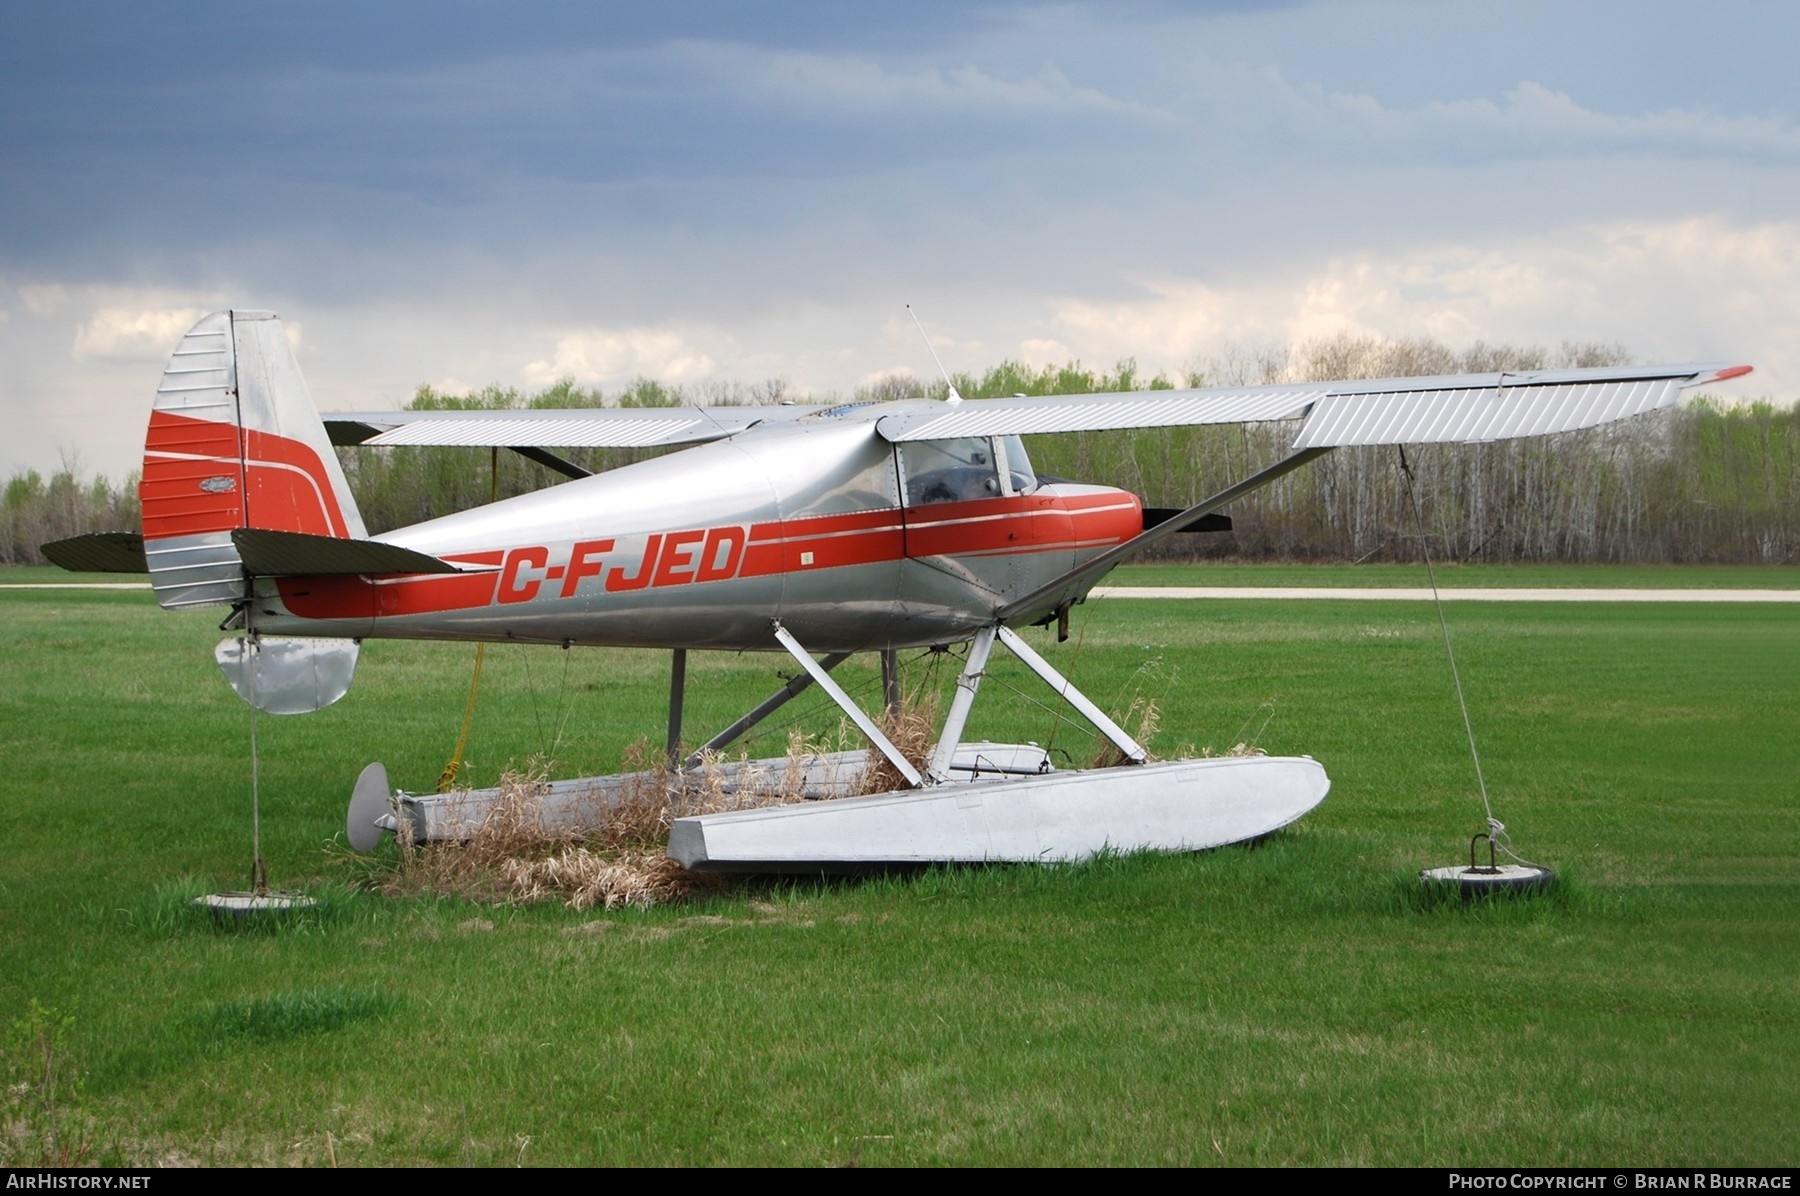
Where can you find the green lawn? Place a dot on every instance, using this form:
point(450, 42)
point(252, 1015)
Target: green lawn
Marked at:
point(1294, 1003)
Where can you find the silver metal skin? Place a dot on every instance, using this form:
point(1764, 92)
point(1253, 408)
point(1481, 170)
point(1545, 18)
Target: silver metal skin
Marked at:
point(370, 805)
point(813, 777)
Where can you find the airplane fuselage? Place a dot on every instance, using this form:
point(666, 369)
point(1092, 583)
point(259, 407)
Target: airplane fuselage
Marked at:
point(851, 542)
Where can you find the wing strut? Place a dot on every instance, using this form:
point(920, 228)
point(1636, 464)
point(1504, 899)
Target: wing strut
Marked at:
point(550, 460)
point(1073, 586)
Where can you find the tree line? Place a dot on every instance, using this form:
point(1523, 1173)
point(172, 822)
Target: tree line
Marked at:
point(1704, 482)
point(38, 509)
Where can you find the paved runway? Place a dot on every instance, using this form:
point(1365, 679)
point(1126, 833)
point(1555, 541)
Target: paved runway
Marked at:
point(1448, 595)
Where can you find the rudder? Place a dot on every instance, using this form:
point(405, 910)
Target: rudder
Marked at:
point(234, 442)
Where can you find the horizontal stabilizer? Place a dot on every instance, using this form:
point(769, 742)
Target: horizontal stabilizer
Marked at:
point(102, 552)
point(297, 554)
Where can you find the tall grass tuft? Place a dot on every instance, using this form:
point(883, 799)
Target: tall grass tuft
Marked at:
point(170, 909)
point(910, 727)
point(289, 1015)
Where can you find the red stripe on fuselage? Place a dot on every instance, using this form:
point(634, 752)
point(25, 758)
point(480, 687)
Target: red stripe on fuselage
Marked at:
point(985, 527)
point(1033, 523)
point(824, 542)
point(407, 594)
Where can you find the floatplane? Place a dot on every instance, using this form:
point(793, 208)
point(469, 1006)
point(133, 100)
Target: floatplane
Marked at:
point(818, 532)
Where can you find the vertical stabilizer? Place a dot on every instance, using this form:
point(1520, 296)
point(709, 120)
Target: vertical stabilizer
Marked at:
point(234, 442)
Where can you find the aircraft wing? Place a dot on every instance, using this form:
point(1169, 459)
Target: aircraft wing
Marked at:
point(1455, 408)
point(1451, 408)
point(1461, 408)
point(601, 427)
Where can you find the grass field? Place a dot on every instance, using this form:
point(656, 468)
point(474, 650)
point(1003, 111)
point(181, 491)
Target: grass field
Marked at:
point(1292, 1003)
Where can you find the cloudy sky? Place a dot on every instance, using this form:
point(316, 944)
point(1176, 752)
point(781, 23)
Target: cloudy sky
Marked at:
point(460, 193)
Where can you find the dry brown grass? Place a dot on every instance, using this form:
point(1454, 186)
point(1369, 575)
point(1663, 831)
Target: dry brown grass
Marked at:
point(618, 855)
point(582, 878)
point(617, 858)
point(912, 729)
point(1147, 717)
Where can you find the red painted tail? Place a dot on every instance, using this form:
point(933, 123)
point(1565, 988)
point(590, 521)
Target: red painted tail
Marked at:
point(234, 442)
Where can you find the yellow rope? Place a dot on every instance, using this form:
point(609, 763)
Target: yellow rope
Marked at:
point(447, 778)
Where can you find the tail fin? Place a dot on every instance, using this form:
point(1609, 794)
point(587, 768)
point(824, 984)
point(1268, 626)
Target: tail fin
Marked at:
point(234, 442)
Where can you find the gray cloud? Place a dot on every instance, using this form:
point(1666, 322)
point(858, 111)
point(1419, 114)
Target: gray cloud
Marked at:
point(452, 193)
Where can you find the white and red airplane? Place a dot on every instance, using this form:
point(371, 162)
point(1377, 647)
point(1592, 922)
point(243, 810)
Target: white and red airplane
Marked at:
point(855, 528)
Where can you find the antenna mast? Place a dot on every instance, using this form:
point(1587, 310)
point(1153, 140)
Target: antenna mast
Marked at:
point(954, 396)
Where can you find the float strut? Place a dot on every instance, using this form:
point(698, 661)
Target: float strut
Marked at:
point(797, 684)
point(1133, 750)
point(863, 722)
point(677, 689)
point(890, 682)
point(958, 718)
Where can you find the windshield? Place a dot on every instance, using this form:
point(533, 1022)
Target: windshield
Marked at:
point(949, 470)
point(1019, 474)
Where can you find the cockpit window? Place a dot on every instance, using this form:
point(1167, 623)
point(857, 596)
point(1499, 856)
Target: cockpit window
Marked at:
point(949, 470)
point(1020, 477)
point(864, 483)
